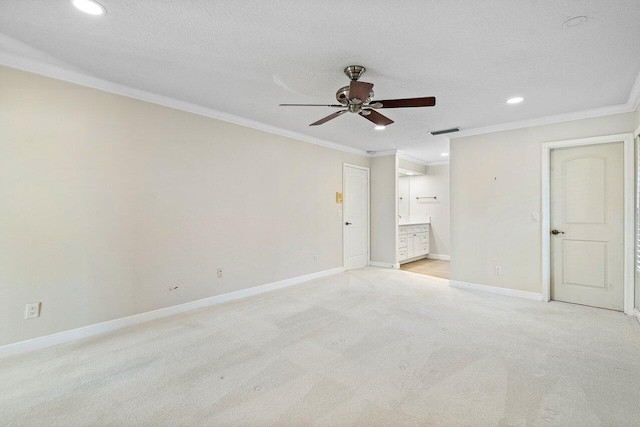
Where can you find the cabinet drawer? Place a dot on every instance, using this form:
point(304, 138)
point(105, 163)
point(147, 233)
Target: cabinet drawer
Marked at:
point(424, 238)
point(424, 227)
point(402, 254)
point(425, 249)
point(416, 229)
point(402, 242)
point(403, 230)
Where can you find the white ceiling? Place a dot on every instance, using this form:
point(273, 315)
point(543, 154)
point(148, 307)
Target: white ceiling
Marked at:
point(246, 57)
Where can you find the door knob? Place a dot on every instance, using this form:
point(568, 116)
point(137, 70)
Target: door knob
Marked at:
point(556, 232)
point(347, 223)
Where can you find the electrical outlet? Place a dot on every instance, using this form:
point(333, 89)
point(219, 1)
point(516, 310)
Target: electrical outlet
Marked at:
point(32, 310)
point(219, 272)
point(315, 258)
point(498, 271)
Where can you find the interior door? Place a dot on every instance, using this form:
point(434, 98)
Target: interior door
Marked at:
point(356, 217)
point(587, 223)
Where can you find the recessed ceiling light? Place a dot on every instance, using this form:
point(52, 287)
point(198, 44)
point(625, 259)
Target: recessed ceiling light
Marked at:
point(575, 21)
point(89, 6)
point(379, 127)
point(444, 154)
point(516, 100)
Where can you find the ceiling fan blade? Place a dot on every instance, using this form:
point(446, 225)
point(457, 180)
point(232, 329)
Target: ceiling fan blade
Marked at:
point(312, 105)
point(329, 117)
point(377, 118)
point(428, 101)
point(359, 90)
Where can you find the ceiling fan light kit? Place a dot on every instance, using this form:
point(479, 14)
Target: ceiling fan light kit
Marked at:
point(357, 98)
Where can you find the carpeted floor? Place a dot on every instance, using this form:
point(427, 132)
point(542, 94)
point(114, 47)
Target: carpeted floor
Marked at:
point(370, 347)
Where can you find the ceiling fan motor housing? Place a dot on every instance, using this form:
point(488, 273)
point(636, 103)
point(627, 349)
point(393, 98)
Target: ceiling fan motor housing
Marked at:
point(342, 95)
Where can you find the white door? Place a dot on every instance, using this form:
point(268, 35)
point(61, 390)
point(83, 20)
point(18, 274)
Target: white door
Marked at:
point(356, 217)
point(587, 223)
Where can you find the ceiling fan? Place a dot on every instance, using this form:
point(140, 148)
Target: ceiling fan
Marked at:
point(356, 98)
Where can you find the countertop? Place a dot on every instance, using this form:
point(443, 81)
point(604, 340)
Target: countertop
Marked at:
point(414, 221)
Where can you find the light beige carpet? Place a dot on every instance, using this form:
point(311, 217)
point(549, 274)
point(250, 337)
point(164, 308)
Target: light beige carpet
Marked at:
point(371, 347)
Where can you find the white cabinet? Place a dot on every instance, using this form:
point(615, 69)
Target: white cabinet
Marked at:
point(413, 242)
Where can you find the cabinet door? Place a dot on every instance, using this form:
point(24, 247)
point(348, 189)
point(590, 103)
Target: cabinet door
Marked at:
point(411, 252)
point(417, 245)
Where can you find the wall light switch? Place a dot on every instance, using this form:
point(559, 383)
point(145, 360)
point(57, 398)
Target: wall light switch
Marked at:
point(339, 213)
point(535, 217)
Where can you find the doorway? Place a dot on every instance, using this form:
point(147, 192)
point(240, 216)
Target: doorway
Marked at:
point(587, 216)
point(355, 187)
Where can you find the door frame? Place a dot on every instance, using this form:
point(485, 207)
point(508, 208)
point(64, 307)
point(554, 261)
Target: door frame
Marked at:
point(629, 213)
point(344, 241)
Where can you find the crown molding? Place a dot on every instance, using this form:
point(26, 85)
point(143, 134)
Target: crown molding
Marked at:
point(634, 96)
point(444, 162)
point(71, 76)
point(383, 153)
point(409, 158)
point(547, 120)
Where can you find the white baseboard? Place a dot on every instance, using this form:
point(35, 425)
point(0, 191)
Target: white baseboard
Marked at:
point(384, 264)
point(496, 290)
point(636, 313)
point(438, 256)
point(113, 325)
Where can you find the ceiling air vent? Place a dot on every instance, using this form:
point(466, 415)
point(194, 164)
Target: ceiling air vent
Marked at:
point(441, 132)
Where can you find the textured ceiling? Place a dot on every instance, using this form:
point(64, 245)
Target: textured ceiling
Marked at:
point(245, 57)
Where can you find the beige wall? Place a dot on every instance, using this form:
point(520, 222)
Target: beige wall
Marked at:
point(384, 210)
point(495, 186)
point(107, 202)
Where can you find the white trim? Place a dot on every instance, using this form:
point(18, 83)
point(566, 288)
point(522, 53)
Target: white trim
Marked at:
point(412, 159)
point(637, 132)
point(636, 313)
point(496, 290)
point(540, 121)
point(113, 325)
point(629, 213)
point(634, 95)
point(383, 153)
point(344, 242)
point(71, 76)
point(438, 256)
point(384, 264)
point(444, 162)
